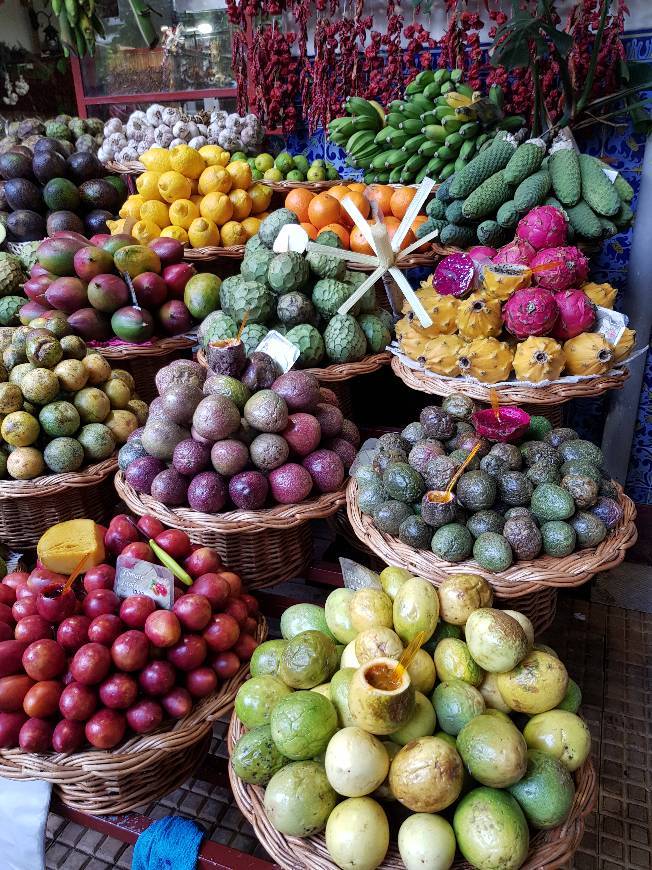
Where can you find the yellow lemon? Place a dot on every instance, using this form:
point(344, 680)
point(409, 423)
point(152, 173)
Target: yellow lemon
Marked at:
point(177, 233)
point(131, 208)
point(240, 172)
point(155, 211)
point(173, 185)
point(196, 198)
point(233, 233)
point(187, 161)
point(156, 159)
point(144, 231)
point(251, 225)
point(273, 174)
point(183, 212)
point(224, 158)
point(215, 178)
point(211, 154)
point(241, 202)
point(203, 232)
point(147, 185)
point(261, 196)
point(216, 207)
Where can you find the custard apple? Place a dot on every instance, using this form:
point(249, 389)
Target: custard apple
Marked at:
point(309, 343)
point(386, 318)
point(344, 340)
point(377, 334)
point(255, 243)
point(294, 308)
point(9, 308)
point(255, 264)
point(57, 130)
point(287, 272)
point(271, 225)
point(11, 274)
point(328, 295)
point(326, 267)
point(247, 297)
point(252, 335)
point(328, 237)
point(218, 326)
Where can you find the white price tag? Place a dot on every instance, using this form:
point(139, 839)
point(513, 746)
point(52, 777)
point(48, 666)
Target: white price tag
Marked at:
point(611, 324)
point(137, 577)
point(291, 237)
point(282, 351)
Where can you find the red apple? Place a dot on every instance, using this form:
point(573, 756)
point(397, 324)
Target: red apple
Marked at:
point(35, 736)
point(202, 560)
point(23, 591)
point(135, 609)
point(163, 628)
point(151, 289)
point(157, 678)
point(100, 577)
point(222, 632)
point(193, 611)
point(118, 691)
point(32, 628)
point(175, 543)
point(68, 736)
point(120, 533)
point(15, 578)
point(44, 660)
point(201, 682)
point(225, 665)
point(130, 651)
point(139, 550)
point(6, 614)
point(214, 587)
point(105, 628)
point(7, 595)
point(73, 632)
point(238, 610)
point(176, 276)
point(189, 653)
point(150, 526)
point(249, 626)
point(10, 725)
point(105, 729)
point(101, 601)
point(78, 702)
point(6, 633)
point(91, 664)
point(145, 716)
point(244, 647)
point(177, 703)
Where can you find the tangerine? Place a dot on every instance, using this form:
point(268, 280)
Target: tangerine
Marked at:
point(339, 191)
point(362, 204)
point(298, 201)
point(359, 244)
point(323, 210)
point(312, 231)
point(381, 194)
point(357, 186)
point(401, 199)
point(416, 223)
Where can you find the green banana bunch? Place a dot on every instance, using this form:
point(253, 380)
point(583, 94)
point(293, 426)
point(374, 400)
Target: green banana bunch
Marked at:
point(79, 25)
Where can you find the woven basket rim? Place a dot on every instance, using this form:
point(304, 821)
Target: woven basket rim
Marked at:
point(337, 372)
point(414, 261)
point(51, 484)
point(517, 393)
point(549, 849)
point(137, 752)
point(211, 253)
point(316, 186)
point(237, 521)
point(159, 347)
point(523, 576)
point(129, 167)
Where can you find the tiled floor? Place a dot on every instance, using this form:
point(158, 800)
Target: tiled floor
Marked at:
point(608, 651)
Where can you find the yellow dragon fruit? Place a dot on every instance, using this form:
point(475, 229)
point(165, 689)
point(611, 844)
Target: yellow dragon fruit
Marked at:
point(589, 353)
point(538, 359)
point(412, 337)
point(442, 310)
point(503, 279)
point(441, 355)
point(479, 316)
point(600, 294)
point(624, 345)
point(486, 359)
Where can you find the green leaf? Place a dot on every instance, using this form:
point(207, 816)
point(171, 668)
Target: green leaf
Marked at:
point(562, 41)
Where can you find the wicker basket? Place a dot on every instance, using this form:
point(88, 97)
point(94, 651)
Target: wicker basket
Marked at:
point(130, 167)
point(523, 577)
point(143, 361)
point(312, 186)
point(212, 253)
point(549, 850)
point(142, 769)
point(266, 546)
point(338, 372)
point(414, 261)
point(518, 393)
point(29, 507)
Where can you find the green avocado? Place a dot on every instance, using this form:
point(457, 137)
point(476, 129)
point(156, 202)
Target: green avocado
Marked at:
point(493, 552)
point(452, 542)
point(402, 482)
point(551, 502)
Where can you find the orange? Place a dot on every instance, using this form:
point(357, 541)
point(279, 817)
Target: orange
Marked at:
point(416, 223)
point(361, 202)
point(324, 209)
point(357, 186)
point(339, 191)
point(312, 231)
point(381, 194)
point(401, 199)
point(359, 244)
point(340, 231)
point(392, 226)
point(298, 201)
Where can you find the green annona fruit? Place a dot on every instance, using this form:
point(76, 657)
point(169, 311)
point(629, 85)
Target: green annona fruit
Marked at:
point(255, 264)
point(11, 274)
point(286, 272)
point(218, 326)
point(328, 295)
point(326, 267)
point(271, 225)
point(250, 297)
point(376, 332)
point(309, 343)
point(252, 335)
point(344, 340)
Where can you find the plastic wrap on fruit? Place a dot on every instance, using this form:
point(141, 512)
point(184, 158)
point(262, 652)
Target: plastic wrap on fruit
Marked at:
point(356, 576)
point(455, 275)
point(502, 424)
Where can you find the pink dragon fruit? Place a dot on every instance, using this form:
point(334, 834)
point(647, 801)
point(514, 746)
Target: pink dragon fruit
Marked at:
point(516, 253)
point(543, 227)
point(576, 314)
point(482, 252)
point(455, 275)
point(559, 268)
point(530, 311)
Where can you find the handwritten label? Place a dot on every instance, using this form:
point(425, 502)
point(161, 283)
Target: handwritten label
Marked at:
point(611, 324)
point(137, 577)
point(282, 351)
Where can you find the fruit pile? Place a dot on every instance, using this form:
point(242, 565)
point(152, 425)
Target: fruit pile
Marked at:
point(62, 405)
point(12, 279)
point(299, 296)
point(483, 200)
point(435, 131)
point(334, 732)
point(532, 293)
point(288, 167)
point(71, 133)
point(167, 127)
point(198, 197)
point(84, 666)
point(547, 495)
point(50, 190)
point(84, 279)
point(214, 442)
point(317, 213)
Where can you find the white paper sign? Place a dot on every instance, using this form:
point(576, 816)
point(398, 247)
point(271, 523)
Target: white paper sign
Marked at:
point(611, 324)
point(137, 577)
point(282, 351)
point(291, 237)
